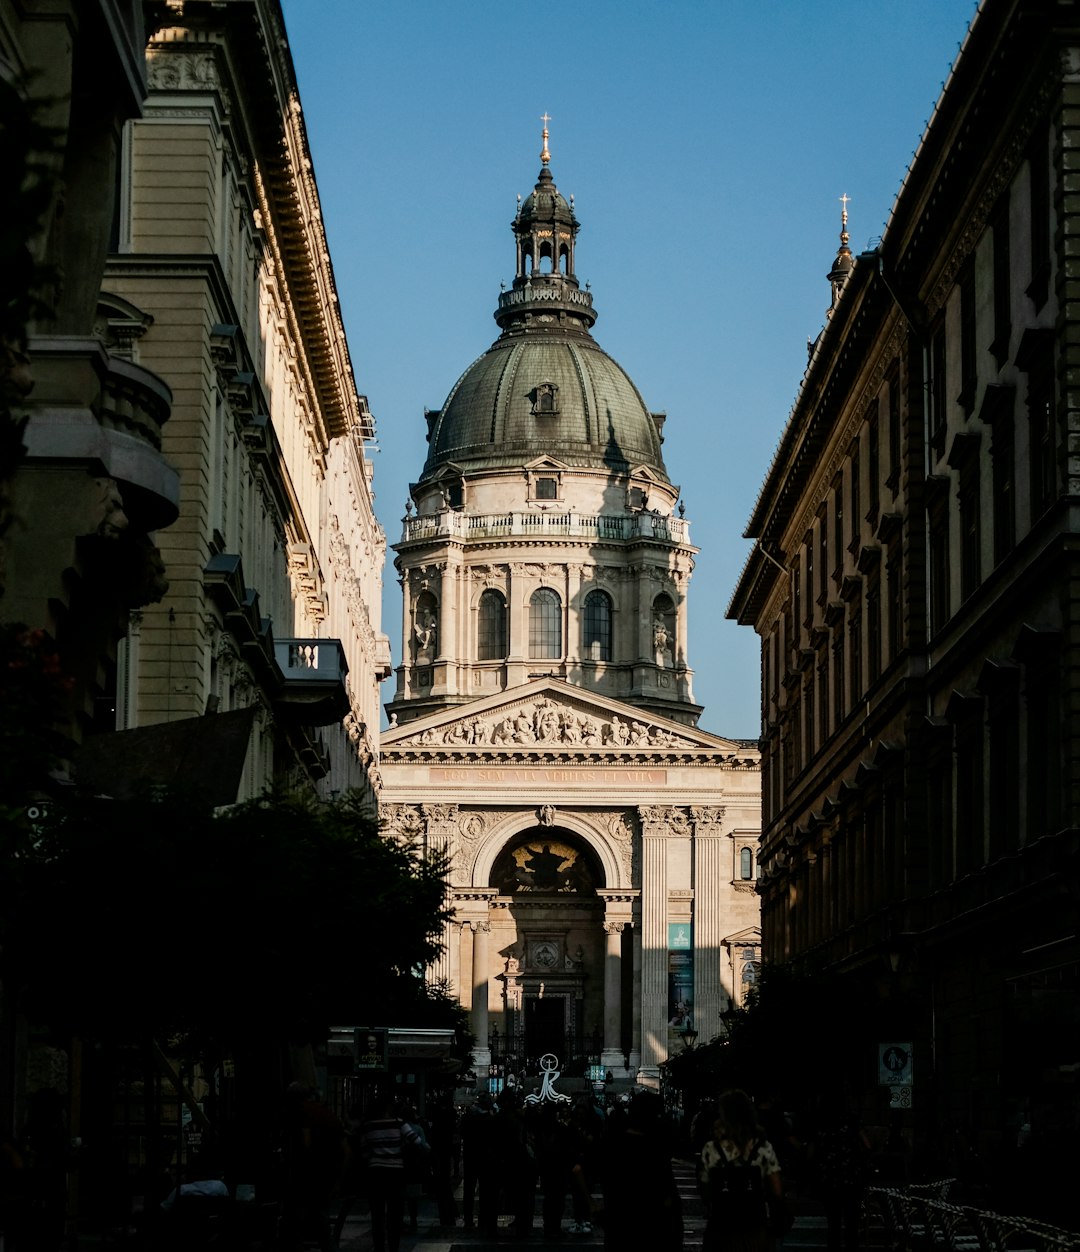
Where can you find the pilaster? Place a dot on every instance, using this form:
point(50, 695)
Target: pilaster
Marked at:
point(654, 954)
point(710, 873)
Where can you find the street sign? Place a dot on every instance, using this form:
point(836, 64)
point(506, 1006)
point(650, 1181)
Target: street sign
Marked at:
point(895, 1065)
point(900, 1098)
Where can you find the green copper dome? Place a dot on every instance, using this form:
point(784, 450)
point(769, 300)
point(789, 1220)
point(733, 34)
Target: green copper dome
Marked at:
point(558, 394)
point(545, 386)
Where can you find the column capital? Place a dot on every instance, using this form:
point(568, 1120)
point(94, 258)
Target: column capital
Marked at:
point(614, 928)
point(707, 818)
point(439, 812)
point(663, 819)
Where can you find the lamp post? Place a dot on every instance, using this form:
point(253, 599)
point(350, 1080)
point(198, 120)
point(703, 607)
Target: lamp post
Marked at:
point(689, 1038)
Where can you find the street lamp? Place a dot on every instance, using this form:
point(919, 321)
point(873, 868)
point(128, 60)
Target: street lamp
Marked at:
point(689, 1037)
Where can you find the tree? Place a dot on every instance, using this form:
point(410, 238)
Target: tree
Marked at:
point(274, 918)
point(795, 1034)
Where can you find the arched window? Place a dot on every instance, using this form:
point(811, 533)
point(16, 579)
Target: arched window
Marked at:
point(596, 626)
point(545, 625)
point(746, 864)
point(491, 627)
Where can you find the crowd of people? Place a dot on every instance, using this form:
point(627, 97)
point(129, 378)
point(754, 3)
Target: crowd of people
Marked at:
point(612, 1165)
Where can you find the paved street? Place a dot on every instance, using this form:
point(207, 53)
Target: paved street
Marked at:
point(808, 1233)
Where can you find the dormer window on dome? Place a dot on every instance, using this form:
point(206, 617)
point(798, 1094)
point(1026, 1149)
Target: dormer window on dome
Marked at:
point(545, 400)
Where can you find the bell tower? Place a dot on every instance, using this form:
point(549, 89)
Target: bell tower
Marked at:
point(547, 540)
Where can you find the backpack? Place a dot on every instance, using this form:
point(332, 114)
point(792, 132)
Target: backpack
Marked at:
point(736, 1195)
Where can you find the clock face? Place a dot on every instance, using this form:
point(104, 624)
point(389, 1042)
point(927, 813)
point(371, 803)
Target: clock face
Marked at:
point(545, 955)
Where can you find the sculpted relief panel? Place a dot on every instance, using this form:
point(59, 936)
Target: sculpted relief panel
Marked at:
point(544, 721)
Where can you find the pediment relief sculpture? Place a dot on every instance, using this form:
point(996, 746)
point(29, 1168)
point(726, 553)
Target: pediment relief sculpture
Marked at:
point(542, 722)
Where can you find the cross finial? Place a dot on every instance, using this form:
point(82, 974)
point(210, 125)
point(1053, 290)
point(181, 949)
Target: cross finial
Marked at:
point(845, 200)
point(545, 155)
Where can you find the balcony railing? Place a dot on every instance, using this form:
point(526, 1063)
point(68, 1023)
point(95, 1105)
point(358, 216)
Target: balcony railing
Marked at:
point(595, 526)
point(314, 672)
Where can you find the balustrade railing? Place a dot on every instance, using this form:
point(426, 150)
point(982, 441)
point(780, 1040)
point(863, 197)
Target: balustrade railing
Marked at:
point(456, 524)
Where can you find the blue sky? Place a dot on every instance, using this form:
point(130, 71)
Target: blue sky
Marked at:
point(706, 142)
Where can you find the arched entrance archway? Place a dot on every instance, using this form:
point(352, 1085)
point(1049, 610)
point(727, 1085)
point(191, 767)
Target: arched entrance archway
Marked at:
point(547, 924)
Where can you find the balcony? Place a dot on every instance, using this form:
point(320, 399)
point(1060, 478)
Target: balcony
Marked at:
point(93, 407)
point(313, 673)
point(600, 527)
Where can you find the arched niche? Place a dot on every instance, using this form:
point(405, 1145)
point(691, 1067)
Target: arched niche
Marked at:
point(546, 861)
point(504, 833)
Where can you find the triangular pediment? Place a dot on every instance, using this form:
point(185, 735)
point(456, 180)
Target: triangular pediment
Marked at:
point(546, 463)
point(548, 715)
point(450, 469)
point(751, 935)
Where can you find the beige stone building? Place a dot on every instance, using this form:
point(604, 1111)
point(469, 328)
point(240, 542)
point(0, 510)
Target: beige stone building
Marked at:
point(543, 731)
point(219, 280)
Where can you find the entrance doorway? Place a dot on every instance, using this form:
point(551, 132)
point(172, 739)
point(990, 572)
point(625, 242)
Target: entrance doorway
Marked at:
point(545, 1026)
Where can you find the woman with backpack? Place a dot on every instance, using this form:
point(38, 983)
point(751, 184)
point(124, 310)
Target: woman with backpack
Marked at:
point(740, 1180)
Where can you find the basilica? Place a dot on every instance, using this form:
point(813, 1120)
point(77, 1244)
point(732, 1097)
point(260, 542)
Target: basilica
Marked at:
point(603, 849)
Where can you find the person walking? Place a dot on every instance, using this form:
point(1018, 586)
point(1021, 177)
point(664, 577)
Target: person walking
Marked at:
point(642, 1208)
point(740, 1180)
point(477, 1136)
point(382, 1141)
point(417, 1164)
point(840, 1152)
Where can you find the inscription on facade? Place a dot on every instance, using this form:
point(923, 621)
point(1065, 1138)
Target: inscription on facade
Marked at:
point(503, 775)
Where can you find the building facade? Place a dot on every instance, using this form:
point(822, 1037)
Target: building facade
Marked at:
point(543, 734)
point(914, 584)
point(219, 279)
point(188, 549)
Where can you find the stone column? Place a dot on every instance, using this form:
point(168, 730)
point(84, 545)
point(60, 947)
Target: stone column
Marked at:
point(482, 1052)
point(575, 614)
point(449, 604)
point(635, 1008)
point(454, 960)
point(405, 582)
point(711, 871)
point(612, 1056)
point(517, 625)
point(644, 598)
point(680, 658)
point(465, 958)
point(654, 952)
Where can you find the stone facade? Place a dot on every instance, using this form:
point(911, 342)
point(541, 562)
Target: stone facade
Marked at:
point(603, 849)
point(913, 586)
point(87, 482)
point(652, 824)
point(276, 562)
